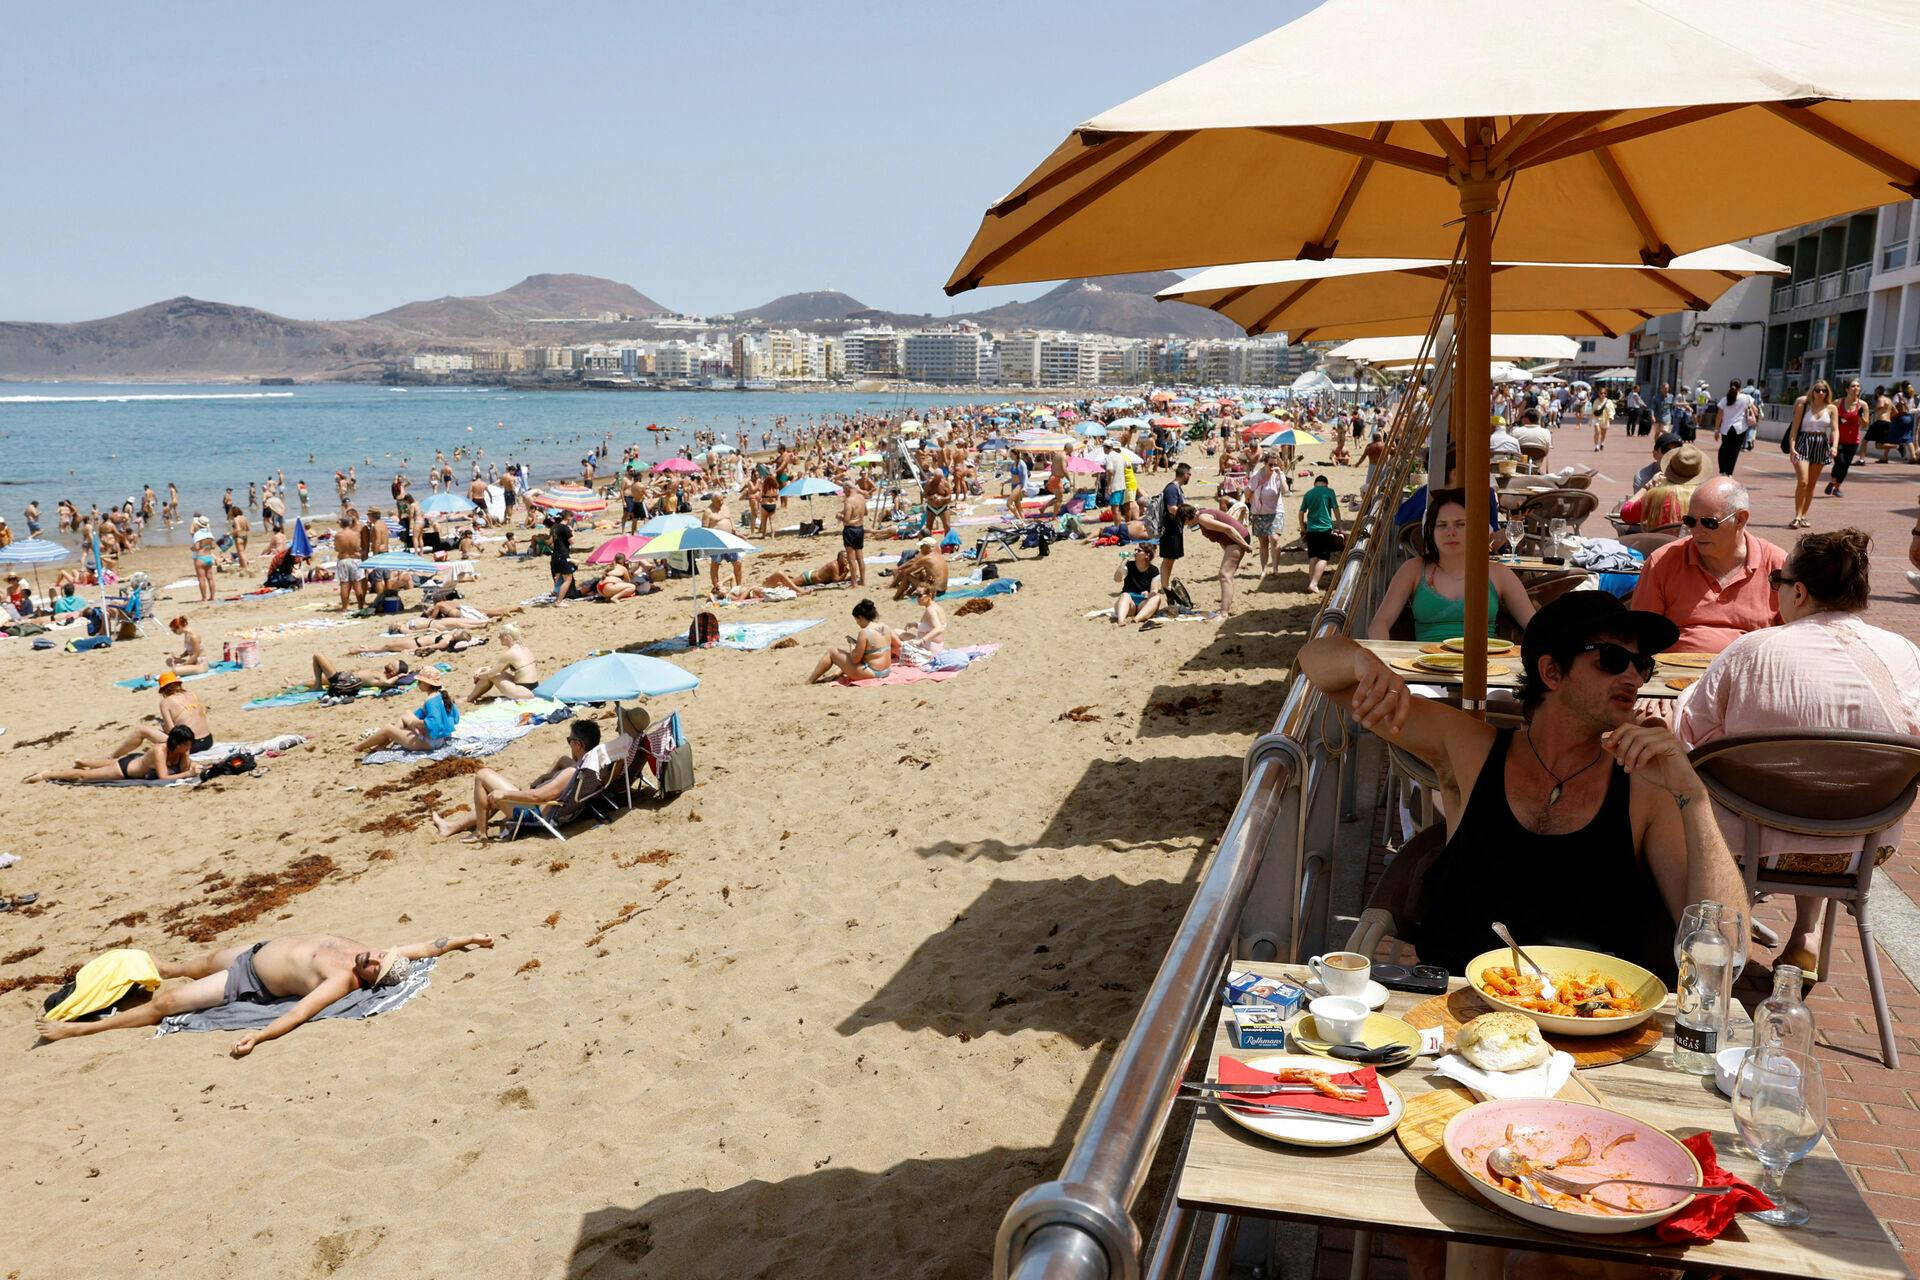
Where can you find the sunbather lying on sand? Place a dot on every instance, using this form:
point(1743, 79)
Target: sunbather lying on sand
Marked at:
point(832, 571)
point(170, 759)
point(462, 611)
point(385, 676)
point(317, 968)
point(495, 794)
point(427, 642)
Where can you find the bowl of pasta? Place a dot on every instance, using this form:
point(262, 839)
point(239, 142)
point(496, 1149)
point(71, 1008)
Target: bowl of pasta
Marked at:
point(1593, 993)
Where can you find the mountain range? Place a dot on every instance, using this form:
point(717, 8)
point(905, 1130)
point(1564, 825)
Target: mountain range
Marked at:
point(190, 338)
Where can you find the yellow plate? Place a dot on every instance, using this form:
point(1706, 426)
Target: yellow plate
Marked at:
point(1646, 987)
point(1701, 660)
point(1458, 644)
point(1379, 1030)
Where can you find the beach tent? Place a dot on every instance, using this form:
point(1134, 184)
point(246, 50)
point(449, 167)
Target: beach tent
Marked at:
point(1379, 297)
point(1449, 129)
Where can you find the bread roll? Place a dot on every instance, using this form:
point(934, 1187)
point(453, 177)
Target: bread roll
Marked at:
point(1502, 1042)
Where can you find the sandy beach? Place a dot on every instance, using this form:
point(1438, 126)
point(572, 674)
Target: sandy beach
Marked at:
point(824, 1015)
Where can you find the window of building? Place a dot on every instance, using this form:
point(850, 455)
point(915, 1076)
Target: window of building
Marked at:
point(1896, 227)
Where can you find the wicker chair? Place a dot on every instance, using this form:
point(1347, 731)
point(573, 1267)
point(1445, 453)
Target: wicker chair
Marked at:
point(1825, 782)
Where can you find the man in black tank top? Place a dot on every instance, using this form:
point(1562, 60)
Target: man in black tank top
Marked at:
point(1584, 827)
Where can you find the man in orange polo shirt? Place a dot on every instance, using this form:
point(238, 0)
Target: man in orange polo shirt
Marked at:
point(1713, 582)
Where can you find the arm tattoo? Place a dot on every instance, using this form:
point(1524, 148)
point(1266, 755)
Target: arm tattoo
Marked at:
point(1682, 799)
point(440, 943)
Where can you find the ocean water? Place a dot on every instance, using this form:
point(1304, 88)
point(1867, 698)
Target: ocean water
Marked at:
point(100, 442)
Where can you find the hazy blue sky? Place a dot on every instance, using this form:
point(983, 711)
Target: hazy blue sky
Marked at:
point(330, 161)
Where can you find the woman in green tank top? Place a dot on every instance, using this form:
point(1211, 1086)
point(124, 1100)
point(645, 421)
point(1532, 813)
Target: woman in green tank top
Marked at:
point(1435, 584)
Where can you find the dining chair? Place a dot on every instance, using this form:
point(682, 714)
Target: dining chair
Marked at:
point(1532, 455)
point(1819, 782)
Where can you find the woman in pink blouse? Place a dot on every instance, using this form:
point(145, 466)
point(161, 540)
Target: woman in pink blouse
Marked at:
point(1823, 667)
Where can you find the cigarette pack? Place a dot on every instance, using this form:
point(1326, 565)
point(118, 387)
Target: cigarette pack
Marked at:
point(1259, 1026)
point(1254, 988)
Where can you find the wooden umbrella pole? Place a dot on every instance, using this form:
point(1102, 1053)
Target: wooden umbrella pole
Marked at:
point(1479, 199)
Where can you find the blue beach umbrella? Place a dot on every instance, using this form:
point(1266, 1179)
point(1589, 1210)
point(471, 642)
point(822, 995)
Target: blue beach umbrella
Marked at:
point(400, 562)
point(1121, 424)
point(302, 546)
point(34, 551)
point(808, 486)
point(996, 442)
point(616, 677)
point(447, 504)
point(1091, 429)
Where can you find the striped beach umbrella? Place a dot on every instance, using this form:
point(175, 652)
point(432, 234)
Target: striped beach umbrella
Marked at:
point(571, 498)
point(1290, 436)
point(696, 541)
point(400, 562)
point(35, 551)
point(666, 524)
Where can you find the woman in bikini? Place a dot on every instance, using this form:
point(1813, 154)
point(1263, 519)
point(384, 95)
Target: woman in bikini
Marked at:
point(202, 544)
point(161, 761)
point(191, 660)
point(831, 572)
point(516, 675)
point(453, 641)
point(870, 655)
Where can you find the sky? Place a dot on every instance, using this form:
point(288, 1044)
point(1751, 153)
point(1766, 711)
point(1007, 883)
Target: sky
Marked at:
point(327, 162)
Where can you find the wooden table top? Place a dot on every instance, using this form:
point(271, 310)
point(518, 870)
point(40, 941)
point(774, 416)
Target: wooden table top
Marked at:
point(1397, 652)
point(1534, 564)
point(1375, 1186)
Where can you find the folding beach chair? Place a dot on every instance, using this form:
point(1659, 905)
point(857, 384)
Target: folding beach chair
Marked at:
point(573, 804)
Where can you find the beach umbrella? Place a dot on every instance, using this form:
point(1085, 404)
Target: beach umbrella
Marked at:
point(1091, 428)
point(100, 577)
point(1167, 421)
point(721, 448)
point(300, 544)
point(1128, 456)
point(574, 499)
point(666, 524)
point(34, 552)
point(625, 544)
point(996, 442)
point(868, 460)
point(1160, 397)
point(1451, 135)
point(1121, 424)
point(1295, 436)
point(1083, 466)
point(616, 677)
point(447, 504)
point(1374, 297)
point(400, 562)
point(679, 466)
point(808, 486)
point(696, 541)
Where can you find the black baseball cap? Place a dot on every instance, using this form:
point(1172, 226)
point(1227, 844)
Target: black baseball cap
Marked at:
point(1571, 620)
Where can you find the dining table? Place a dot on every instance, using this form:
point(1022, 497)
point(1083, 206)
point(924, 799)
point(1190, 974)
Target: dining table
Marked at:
point(1375, 1186)
point(1399, 655)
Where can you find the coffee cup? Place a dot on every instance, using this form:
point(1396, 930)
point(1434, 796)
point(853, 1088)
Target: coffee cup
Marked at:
point(1339, 1019)
point(1342, 973)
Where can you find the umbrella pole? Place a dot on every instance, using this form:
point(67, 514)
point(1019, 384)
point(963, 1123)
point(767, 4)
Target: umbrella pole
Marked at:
point(1479, 199)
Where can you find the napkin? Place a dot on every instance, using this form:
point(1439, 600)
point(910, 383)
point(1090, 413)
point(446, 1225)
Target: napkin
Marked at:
point(1708, 1216)
point(1233, 1071)
point(1543, 1081)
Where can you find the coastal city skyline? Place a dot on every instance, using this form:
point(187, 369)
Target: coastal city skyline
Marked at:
point(317, 173)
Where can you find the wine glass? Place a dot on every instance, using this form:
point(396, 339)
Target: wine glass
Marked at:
point(1516, 530)
point(1779, 1107)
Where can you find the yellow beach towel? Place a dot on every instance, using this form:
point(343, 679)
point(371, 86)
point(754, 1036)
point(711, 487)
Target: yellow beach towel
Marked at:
point(103, 980)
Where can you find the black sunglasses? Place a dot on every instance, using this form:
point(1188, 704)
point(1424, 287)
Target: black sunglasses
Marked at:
point(1778, 578)
point(1615, 658)
point(1709, 523)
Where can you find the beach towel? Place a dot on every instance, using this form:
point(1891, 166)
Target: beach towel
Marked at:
point(300, 697)
point(509, 711)
point(148, 682)
point(946, 665)
point(265, 747)
point(482, 740)
point(287, 628)
point(749, 637)
point(264, 593)
point(247, 1015)
point(975, 590)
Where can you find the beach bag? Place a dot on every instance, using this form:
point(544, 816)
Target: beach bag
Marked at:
point(1179, 597)
point(704, 632)
point(988, 572)
point(344, 684)
point(229, 766)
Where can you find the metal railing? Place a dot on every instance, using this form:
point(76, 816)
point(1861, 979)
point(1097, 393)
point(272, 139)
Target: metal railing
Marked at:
point(1782, 300)
point(1857, 278)
point(1829, 286)
point(1803, 293)
point(1263, 892)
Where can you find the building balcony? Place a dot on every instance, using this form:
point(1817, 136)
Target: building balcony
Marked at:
point(1829, 286)
point(1857, 278)
point(1782, 301)
point(1803, 293)
point(1880, 363)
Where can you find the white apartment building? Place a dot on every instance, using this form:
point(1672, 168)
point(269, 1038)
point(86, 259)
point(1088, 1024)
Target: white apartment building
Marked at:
point(1020, 359)
point(442, 362)
point(874, 353)
point(1068, 361)
point(942, 355)
point(676, 359)
point(1893, 303)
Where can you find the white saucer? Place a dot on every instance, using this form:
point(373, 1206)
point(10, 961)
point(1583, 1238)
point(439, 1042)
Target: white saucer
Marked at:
point(1311, 1131)
point(1375, 995)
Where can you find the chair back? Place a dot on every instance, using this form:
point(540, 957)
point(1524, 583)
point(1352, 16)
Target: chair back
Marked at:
point(586, 784)
point(1648, 541)
point(1832, 782)
point(1545, 588)
point(1577, 482)
point(1571, 505)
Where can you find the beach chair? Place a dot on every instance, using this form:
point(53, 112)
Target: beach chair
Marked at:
point(573, 804)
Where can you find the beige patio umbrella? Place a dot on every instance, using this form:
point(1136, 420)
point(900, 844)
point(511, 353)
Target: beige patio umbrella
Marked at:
point(1739, 116)
point(1406, 349)
point(1377, 297)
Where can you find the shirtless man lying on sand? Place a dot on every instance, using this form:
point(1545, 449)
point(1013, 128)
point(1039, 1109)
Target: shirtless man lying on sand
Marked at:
point(318, 968)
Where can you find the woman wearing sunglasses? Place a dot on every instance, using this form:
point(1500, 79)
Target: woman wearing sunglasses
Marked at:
point(1809, 443)
point(1826, 667)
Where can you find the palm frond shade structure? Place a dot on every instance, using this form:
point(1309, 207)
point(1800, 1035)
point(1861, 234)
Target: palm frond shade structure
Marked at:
point(1302, 159)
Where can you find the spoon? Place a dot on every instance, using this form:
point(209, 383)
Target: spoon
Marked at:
point(1508, 1163)
point(1546, 983)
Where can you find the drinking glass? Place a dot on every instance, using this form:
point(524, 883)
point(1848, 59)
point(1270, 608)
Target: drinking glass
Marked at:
point(1516, 530)
point(1779, 1107)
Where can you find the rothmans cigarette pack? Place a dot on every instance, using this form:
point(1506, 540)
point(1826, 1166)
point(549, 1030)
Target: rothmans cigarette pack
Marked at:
point(1257, 989)
point(1259, 1026)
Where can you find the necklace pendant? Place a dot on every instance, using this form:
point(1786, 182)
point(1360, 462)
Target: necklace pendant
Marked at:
point(1553, 796)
